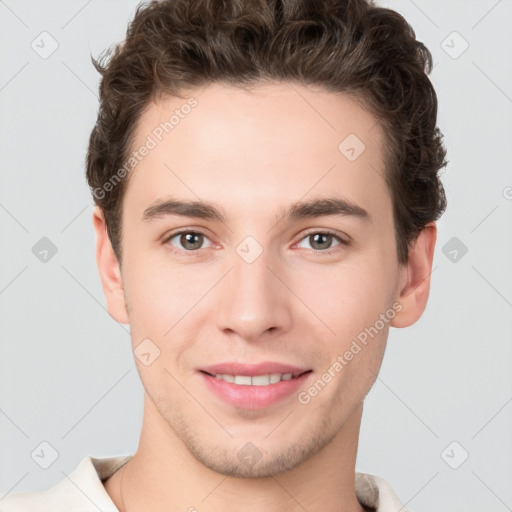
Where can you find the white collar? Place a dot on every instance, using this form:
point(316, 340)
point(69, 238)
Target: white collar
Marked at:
point(83, 491)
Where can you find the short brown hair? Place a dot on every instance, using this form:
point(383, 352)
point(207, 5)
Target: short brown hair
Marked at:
point(344, 46)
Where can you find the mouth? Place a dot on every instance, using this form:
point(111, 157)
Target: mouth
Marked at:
point(256, 380)
point(254, 386)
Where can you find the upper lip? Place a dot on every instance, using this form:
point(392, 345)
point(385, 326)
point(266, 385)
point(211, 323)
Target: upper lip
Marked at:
point(248, 369)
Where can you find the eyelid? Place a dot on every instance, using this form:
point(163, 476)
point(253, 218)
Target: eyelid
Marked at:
point(344, 238)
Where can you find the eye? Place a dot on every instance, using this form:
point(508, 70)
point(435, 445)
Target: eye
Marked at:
point(190, 241)
point(321, 241)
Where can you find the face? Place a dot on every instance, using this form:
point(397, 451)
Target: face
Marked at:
point(288, 266)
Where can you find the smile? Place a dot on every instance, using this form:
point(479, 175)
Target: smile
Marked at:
point(256, 380)
point(254, 391)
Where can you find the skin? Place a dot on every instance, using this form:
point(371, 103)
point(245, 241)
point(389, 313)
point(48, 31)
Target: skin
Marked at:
point(253, 153)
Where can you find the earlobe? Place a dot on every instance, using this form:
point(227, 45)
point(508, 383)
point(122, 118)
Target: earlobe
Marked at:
point(415, 278)
point(109, 270)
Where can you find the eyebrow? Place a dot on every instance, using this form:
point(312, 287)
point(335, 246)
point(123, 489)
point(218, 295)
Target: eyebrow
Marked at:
point(301, 210)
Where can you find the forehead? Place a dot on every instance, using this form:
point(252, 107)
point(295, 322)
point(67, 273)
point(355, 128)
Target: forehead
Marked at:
point(270, 145)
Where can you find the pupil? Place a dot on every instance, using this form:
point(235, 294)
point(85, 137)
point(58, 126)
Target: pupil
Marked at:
point(323, 236)
point(187, 238)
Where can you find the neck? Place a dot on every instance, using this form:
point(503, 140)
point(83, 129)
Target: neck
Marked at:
point(164, 474)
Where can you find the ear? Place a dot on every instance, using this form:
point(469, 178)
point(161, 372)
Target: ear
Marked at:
point(415, 278)
point(109, 269)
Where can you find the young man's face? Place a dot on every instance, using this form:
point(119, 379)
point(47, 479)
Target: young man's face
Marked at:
point(258, 287)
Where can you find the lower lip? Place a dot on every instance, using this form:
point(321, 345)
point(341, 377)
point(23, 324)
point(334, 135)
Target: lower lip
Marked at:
point(253, 397)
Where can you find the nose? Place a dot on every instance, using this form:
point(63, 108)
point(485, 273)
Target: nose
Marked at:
point(253, 300)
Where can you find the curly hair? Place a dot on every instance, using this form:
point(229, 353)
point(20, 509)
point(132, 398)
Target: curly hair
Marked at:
point(343, 46)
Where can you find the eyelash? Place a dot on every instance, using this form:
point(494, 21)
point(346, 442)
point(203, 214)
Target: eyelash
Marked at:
point(335, 234)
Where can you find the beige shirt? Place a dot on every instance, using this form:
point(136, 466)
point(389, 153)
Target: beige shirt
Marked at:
point(83, 491)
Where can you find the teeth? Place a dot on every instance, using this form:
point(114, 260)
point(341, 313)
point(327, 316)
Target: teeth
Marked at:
point(244, 380)
point(275, 377)
point(258, 380)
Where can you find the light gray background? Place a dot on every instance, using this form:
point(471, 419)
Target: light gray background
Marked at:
point(67, 375)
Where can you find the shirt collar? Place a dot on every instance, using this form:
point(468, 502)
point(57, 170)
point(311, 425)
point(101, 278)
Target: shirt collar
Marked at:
point(82, 490)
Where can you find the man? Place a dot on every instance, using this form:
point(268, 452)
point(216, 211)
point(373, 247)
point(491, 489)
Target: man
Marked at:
point(266, 182)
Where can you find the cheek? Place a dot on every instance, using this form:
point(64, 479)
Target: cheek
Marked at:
point(158, 295)
point(351, 299)
point(358, 309)
point(359, 315)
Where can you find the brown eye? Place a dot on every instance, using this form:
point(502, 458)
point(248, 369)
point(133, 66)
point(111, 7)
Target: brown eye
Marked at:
point(321, 241)
point(188, 240)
